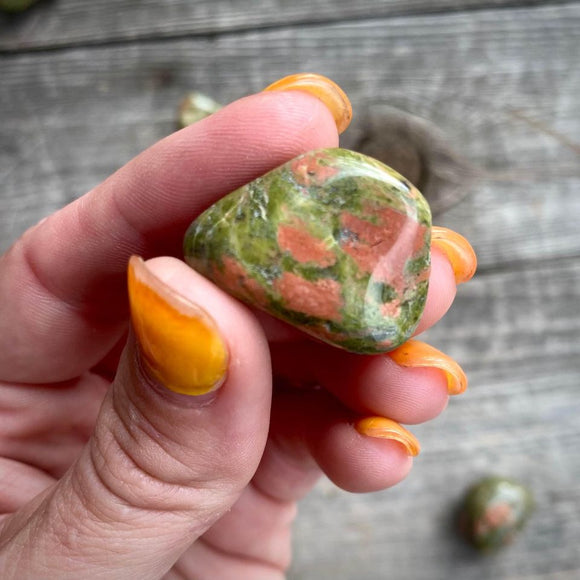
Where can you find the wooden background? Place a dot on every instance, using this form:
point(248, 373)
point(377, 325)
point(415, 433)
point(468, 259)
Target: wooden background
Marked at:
point(484, 98)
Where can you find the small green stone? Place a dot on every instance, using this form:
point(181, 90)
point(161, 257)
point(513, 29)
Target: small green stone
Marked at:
point(195, 107)
point(494, 511)
point(333, 242)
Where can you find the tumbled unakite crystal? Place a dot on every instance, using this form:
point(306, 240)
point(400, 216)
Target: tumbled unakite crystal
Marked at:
point(333, 242)
point(494, 511)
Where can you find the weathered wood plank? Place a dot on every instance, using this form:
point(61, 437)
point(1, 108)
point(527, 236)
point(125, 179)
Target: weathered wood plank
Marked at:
point(502, 86)
point(67, 22)
point(516, 334)
point(485, 79)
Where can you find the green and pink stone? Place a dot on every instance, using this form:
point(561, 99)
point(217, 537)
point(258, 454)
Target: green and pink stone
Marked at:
point(332, 242)
point(494, 511)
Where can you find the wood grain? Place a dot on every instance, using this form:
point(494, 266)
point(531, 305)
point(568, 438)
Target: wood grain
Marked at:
point(85, 88)
point(55, 23)
point(516, 336)
point(72, 117)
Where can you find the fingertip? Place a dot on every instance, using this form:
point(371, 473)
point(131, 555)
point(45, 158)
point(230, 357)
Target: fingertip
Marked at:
point(420, 395)
point(179, 341)
point(324, 89)
point(417, 354)
point(300, 121)
point(385, 428)
point(249, 356)
point(358, 463)
point(408, 395)
point(368, 385)
point(441, 293)
point(458, 250)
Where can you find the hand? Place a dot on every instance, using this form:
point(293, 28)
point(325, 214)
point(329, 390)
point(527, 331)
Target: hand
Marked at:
point(105, 473)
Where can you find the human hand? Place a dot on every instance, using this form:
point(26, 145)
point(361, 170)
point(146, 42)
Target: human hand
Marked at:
point(104, 472)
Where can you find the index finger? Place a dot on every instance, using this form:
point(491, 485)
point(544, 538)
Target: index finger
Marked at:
point(62, 285)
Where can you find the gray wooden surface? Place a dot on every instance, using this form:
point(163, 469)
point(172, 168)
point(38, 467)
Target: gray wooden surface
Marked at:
point(84, 86)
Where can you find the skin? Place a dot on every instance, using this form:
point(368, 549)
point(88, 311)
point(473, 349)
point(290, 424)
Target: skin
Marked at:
point(106, 474)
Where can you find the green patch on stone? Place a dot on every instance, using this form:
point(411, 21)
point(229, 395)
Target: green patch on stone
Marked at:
point(381, 292)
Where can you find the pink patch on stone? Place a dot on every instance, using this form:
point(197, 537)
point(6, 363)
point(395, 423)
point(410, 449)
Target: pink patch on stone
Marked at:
point(236, 277)
point(385, 344)
point(494, 517)
point(391, 309)
point(320, 299)
point(382, 249)
point(303, 246)
point(308, 171)
point(499, 514)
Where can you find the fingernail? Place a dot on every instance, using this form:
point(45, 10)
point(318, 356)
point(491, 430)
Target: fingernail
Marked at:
point(458, 251)
point(383, 428)
point(322, 88)
point(415, 353)
point(180, 343)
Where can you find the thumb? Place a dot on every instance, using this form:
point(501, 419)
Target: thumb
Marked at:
point(162, 465)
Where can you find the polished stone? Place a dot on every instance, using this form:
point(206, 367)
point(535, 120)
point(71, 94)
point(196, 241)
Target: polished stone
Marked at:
point(494, 510)
point(333, 242)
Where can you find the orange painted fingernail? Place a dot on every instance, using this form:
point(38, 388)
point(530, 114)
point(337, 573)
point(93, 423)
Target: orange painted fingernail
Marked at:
point(179, 341)
point(322, 88)
point(458, 251)
point(415, 353)
point(383, 428)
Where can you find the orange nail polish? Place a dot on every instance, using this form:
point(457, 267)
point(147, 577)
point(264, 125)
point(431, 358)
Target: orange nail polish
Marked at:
point(458, 251)
point(322, 88)
point(179, 341)
point(383, 428)
point(415, 353)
